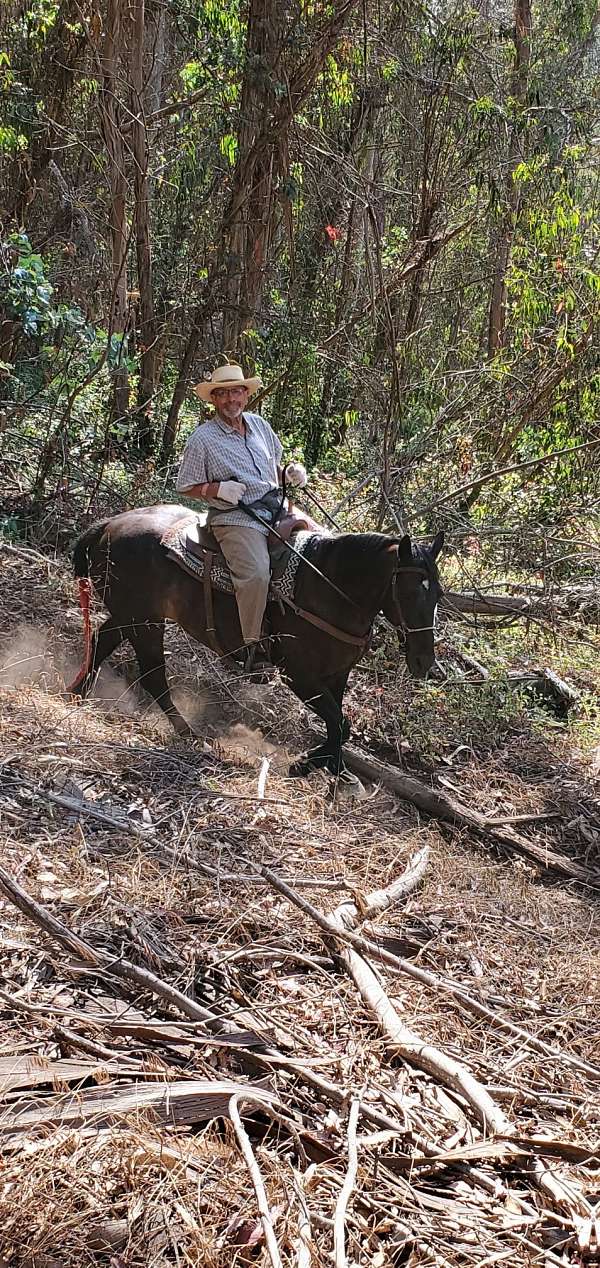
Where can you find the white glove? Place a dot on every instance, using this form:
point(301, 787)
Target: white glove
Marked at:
point(295, 474)
point(231, 491)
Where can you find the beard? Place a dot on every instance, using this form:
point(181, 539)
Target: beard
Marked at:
point(230, 411)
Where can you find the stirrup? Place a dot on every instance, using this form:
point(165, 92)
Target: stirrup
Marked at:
point(257, 665)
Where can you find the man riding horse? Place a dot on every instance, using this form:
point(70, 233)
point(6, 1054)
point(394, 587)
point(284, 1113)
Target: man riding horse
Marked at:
point(320, 630)
point(230, 461)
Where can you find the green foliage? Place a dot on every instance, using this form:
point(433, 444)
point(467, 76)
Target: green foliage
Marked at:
point(11, 141)
point(25, 293)
point(369, 313)
point(228, 147)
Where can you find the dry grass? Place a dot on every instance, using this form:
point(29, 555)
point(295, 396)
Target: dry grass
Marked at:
point(175, 890)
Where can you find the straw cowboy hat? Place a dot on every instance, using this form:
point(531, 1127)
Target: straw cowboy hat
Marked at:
point(226, 376)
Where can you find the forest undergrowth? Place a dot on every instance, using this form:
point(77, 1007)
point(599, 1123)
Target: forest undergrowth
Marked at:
point(121, 1138)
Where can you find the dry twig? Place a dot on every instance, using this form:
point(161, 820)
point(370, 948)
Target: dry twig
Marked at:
point(339, 1224)
point(257, 1182)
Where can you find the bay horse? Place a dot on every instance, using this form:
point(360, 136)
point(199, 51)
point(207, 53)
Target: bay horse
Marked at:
point(359, 575)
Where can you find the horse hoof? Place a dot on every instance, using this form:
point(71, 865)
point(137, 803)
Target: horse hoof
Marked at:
point(299, 769)
point(346, 787)
point(182, 728)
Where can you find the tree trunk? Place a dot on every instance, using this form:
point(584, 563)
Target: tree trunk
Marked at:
point(115, 151)
point(148, 334)
point(249, 225)
point(299, 85)
point(203, 310)
point(155, 45)
point(65, 47)
point(506, 229)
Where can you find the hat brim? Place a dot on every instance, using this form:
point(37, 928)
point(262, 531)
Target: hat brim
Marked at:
point(206, 389)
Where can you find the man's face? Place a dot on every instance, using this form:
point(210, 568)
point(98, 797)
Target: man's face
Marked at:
point(230, 402)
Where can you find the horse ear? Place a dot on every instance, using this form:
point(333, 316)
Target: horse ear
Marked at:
point(436, 546)
point(405, 549)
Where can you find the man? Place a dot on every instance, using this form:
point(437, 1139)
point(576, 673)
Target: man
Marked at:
point(232, 459)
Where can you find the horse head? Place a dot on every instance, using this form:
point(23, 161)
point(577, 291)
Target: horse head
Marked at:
point(411, 600)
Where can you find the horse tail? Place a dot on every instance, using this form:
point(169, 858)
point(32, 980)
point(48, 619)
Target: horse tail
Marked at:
point(81, 566)
point(83, 548)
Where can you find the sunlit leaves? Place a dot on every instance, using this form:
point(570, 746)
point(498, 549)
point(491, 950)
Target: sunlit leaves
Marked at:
point(191, 75)
point(11, 141)
point(40, 18)
point(338, 85)
point(228, 146)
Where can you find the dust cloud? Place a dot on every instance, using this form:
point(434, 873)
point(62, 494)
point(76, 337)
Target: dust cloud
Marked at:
point(115, 692)
point(247, 740)
point(33, 656)
point(25, 657)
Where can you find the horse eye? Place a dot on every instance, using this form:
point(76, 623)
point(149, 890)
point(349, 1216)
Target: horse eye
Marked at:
point(426, 584)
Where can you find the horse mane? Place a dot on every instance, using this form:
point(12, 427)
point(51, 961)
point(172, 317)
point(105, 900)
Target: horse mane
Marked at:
point(364, 557)
point(366, 546)
point(352, 556)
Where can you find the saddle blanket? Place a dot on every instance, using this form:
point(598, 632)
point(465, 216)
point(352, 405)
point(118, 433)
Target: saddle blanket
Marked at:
point(283, 587)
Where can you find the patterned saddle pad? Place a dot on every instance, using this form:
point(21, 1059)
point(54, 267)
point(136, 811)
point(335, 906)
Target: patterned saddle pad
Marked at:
point(283, 587)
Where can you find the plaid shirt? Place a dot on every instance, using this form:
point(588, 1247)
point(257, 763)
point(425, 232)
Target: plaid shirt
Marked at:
point(216, 452)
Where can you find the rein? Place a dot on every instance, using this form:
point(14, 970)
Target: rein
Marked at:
point(257, 519)
point(356, 640)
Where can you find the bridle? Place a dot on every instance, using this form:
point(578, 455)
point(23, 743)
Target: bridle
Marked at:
point(357, 640)
point(401, 626)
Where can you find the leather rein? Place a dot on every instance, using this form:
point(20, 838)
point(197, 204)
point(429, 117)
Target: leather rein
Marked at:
point(357, 640)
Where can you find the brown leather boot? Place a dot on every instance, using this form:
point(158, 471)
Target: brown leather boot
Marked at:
point(257, 665)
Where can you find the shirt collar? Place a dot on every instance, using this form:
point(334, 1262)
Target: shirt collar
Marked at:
point(225, 426)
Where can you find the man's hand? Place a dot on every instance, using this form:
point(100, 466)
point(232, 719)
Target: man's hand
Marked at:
point(231, 491)
point(295, 474)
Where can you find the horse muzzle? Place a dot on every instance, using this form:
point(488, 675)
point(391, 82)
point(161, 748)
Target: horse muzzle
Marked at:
point(419, 662)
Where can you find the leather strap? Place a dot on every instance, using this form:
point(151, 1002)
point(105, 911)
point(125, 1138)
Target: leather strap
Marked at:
point(355, 639)
point(211, 632)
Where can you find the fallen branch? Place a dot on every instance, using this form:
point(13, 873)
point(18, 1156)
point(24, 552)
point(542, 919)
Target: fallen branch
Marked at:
point(339, 1224)
point(379, 900)
point(476, 604)
point(566, 605)
point(106, 964)
point(450, 810)
point(257, 1181)
point(405, 1042)
point(82, 806)
point(186, 1101)
point(303, 1242)
point(365, 946)
point(517, 1147)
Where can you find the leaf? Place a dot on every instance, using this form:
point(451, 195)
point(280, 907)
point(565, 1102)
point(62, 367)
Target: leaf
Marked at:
point(228, 147)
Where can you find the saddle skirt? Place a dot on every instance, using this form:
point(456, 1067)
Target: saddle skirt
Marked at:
point(192, 546)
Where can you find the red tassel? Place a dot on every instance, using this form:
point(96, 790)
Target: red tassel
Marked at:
point(85, 603)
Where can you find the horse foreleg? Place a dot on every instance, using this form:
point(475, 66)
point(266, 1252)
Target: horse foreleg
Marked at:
point(104, 643)
point(321, 750)
point(326, 703)
point(148, 643)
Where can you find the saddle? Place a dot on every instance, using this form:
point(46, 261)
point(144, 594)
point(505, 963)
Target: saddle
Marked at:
point(190, 543)
point(199, 539)
point(192, 546)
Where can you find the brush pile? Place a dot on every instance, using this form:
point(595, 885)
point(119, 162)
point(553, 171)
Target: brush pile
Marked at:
point(244, 1023)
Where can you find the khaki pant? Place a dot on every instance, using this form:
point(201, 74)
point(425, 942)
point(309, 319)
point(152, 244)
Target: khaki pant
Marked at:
point(247, 555)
